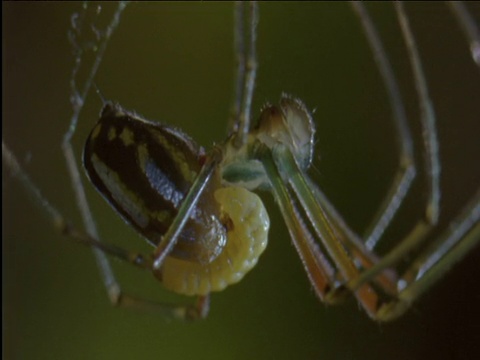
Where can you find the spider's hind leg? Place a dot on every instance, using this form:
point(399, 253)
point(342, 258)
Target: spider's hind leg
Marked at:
point(116, 295)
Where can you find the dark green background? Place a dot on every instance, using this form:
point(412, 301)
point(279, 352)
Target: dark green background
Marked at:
point(174, 63)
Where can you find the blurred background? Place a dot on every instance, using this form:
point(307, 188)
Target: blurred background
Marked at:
point(173, 62)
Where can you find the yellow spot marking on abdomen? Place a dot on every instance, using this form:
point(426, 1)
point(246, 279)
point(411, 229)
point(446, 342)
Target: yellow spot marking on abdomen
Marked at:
point(112, 133)
point(96, 131)
point(127, 136)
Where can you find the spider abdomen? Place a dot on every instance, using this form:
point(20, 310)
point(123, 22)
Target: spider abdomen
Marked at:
point(144, 170)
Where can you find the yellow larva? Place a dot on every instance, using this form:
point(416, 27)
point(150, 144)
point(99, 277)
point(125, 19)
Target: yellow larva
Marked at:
point(246, 240)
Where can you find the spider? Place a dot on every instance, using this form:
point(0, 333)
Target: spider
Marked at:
point(210, 210)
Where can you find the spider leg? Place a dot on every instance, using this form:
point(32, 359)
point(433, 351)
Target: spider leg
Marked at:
point(461, 235)
point(281, 169)
point(406, 171)
point(170, 238)
point(246, 70)
point(466, 21)
point(319, 270)
point(421, 229)
point(77, 99)
point(116, 295)
point(389, 298)
point(456, 242)
point(377, 269)
point(363, 258)
point(239, 51)
point(91, 238)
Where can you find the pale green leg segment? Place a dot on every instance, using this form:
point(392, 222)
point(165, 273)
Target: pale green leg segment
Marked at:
point(319, 271)
point(325, 231)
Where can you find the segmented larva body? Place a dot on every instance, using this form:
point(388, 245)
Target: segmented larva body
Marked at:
point(246, 240)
